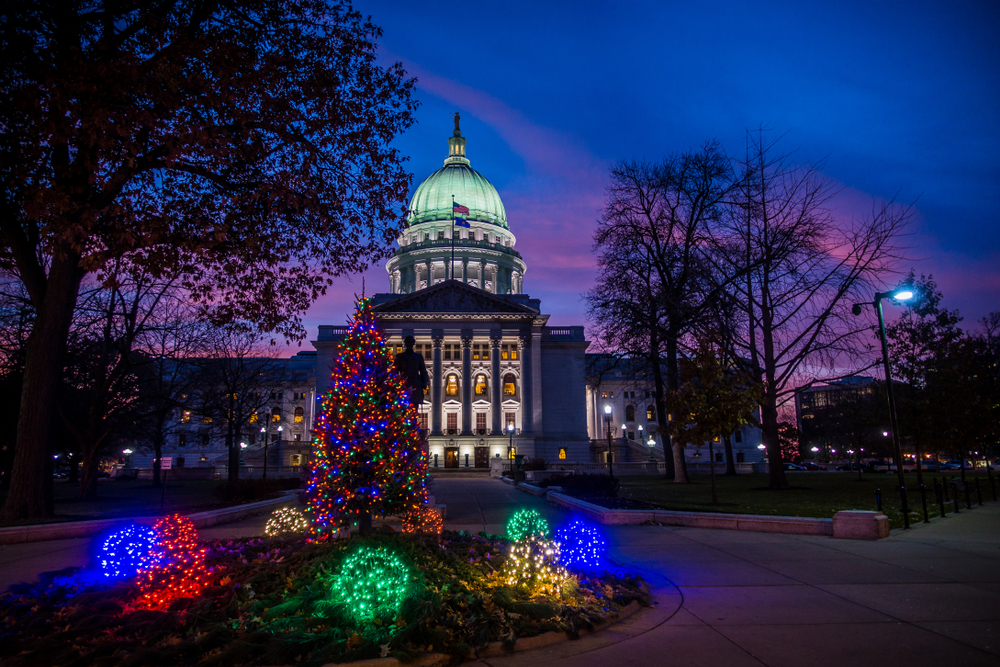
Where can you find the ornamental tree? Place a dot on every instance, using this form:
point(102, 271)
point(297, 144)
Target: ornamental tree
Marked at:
point(243, 148)
point(368, 457)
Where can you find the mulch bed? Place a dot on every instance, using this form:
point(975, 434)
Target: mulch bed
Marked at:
point(269, 603)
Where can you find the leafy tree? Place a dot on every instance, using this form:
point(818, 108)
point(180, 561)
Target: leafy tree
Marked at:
point(243, 148)
point(712, 401)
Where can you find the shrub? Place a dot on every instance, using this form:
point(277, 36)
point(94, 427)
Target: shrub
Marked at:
point(596, 486)
point(535, 463)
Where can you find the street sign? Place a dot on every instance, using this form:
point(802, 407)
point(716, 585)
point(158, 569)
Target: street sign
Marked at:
point(166, 462)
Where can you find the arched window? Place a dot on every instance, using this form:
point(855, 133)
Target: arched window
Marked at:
point(299, 415)
point(276, 415)
point(480, 385)
point(651, 414)
point(509, 385)
point(451, 386)
point(630, 413)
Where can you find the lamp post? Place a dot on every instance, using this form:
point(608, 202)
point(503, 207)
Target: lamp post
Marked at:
point(899, 294)
point(128, 457)
point(652, 444)
point(607, 418)
point(243, 446)
point(510, 444)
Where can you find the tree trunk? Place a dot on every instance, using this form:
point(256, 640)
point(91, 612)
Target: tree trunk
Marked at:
point(88, 480)
point(673, 376)
point(661, 411)
point(30, 495)
point(234, 454)
point(159, 436)
point(711, 470)
point(776, 472)
point(730, 462)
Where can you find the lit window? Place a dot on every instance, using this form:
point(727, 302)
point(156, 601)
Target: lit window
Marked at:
point(299, 415)
point(276, 415)
point(509, 385)
point(182, 440)
point(253, 418)
point(207, 419)
point(475, 352)
point(186, 417)
point(486, 351)
point(480, 385)
point(513, 451)
point(481, 422)
point(508, 420)
point(650, 414)
point(451, 387)
point(562, 453)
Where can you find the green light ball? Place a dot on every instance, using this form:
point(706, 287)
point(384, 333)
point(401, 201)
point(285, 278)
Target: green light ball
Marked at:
point(372, 582)
point(525, 523)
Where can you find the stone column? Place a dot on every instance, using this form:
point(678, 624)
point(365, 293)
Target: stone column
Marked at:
point(467, 384)
point(527, 406)
point(427, 268)
point(465, 270)
point(482, 275)
point(498, 424)
point(436, 387)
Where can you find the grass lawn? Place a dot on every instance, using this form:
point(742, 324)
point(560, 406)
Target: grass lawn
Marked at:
point(813, 494)
point(121, 498)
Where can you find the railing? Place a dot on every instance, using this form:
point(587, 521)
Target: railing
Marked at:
point(459, 243)
point(563, 333)
point(257, 472)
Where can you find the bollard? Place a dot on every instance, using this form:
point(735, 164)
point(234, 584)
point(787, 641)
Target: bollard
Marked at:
point(878, 499)
point(954, 495)
point(923, 500)
point(939, 490)
point(979, 492)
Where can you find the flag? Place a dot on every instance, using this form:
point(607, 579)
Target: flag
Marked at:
point(462, 222)
point(458, 208)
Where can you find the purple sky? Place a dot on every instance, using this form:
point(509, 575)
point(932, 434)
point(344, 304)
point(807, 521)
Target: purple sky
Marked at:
point(900, 98)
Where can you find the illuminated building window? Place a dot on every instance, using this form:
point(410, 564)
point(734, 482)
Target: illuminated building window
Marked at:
point(423, 421)
point(182, 440)
point(480, 385)
point(451, 387)
point(481, 422)
point(276, 415)
point(651, 414)
point(253, 418)
point(299, 415)
point(509, 385)
point(513, 451)
point(207, 419)
point(562, 453)
point(186, 417)
point(508, 351)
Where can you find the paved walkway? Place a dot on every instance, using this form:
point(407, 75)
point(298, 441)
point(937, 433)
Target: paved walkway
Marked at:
point(929, 596)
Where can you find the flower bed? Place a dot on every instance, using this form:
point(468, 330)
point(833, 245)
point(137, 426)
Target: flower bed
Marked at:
point(272, 601)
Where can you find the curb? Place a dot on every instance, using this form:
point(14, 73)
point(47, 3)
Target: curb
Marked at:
point(59, 531)
point(494, 648)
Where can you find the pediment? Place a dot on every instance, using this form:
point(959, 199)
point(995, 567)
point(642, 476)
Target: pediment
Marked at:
point(452, 296)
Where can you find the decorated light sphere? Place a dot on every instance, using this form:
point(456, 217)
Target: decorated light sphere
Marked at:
point(372, 582)
point(581, 545)
point(175, 567)
point(533, 562)
point(123, 550)
point(527, 522)
point(424, 521)
point(286, 520)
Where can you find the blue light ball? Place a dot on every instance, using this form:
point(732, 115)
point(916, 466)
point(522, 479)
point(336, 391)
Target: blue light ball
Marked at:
point(122, 551)
point(581, 545)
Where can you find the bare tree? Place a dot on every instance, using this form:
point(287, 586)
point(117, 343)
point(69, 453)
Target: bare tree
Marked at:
point(238, 377)
point(651, 242)
point(807, 268)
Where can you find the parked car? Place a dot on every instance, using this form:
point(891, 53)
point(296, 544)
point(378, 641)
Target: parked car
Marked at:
point(850, 466)
point(791, 466)
point(956, 465)
point(877, 466)
point(813, 466)
point(929, 466)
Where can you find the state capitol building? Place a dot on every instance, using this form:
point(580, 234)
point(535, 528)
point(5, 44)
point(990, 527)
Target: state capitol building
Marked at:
point(499, 375)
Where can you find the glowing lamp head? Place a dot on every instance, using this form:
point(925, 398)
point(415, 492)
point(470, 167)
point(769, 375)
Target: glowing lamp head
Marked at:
point(510, 427)
point(761, 446)
point(243, 445)
point(607, 410)
point(904, 294)
point(815, 449)
point(651, 442)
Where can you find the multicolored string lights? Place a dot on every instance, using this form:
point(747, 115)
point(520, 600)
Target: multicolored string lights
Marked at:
point(424, 521)
point(122, 551)
point(533, 562)
point(175, 567)
point(286, 520)
point(368, 457)
point(581, 545)
point(526, 522)
point(372, 582)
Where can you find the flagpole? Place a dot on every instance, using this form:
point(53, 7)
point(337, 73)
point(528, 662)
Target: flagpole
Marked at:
point(451, 269)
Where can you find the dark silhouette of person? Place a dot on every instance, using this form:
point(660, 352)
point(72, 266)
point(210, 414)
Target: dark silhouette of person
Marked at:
point(411, 367)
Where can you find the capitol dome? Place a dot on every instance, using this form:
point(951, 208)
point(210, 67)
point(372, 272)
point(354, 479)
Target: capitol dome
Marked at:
point(477, 250)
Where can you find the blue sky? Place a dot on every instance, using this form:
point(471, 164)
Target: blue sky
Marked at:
point(900, 99)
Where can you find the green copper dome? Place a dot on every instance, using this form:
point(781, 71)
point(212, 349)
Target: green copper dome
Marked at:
point(432, 200)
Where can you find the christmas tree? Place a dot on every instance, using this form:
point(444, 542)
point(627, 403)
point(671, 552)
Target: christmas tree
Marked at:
point(368, 458)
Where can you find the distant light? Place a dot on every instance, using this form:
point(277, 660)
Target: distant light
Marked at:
point(607, 410)
point(833, 451)
point(651, 443)
point(243, 445)
point(885, 434)
point(903, 295)
point(126, 452)
point(760, 446)
point(815, 449)
point(510, 427)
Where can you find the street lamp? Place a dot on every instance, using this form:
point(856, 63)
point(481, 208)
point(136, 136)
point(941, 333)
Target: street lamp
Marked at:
point(128, 457)
point(639, 439)
point(761, 447)
point(607, 418)
point(243, 446)
point(651, 443)
point(898, 294)
point(510, 445)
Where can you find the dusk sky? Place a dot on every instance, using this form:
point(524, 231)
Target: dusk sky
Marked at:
point(900, 98)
